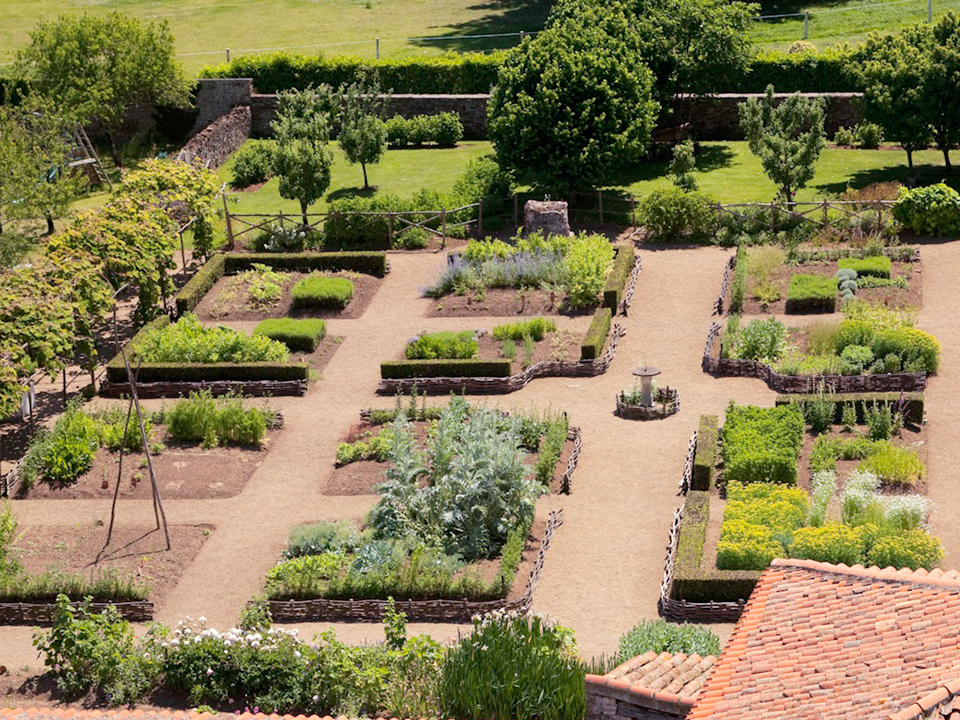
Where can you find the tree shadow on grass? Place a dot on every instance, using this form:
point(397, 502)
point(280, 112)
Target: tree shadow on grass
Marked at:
point(708, 159)
point(922, 174)
point(501, 16)
point(351, 192)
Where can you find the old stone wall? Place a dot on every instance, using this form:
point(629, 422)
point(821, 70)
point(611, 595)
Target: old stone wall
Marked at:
point(607, 704)
point(216, 97)
point(718, 118)
point(216, 142)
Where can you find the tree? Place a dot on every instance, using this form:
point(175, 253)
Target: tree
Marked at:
point(98, 68)
point(786, 136)
point(941, 80)
point(35, 180)
point(682, 166)
point(691, 46)
point(893, 73)
point(363, 135)
point(303, 161)
point(574, 104)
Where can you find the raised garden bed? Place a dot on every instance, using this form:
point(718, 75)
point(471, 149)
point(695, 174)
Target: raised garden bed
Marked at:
point(711, 567)
point(666, 403)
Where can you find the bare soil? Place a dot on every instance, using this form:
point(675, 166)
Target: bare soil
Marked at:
point(229, 299)
point(889, 296)
point(140, 551)
point(504, 302)
point(183, 471)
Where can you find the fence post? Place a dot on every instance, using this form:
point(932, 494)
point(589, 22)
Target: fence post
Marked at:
point(806, 24)
point(378, 48)
point(879, 215)
point(226, 215)
point(183, 253)
point(390, 228)
point(600, 205)
point(480, 217)
point(825, 215)
point(443, 220)
point(773, 216)
point(516, 203)
point(281, 220)
point(228, 54)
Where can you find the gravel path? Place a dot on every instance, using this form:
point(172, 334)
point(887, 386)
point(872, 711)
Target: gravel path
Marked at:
point(603, 571)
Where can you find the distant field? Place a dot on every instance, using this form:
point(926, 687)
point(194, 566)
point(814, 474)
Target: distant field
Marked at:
point(342, 27)
point(845, 21)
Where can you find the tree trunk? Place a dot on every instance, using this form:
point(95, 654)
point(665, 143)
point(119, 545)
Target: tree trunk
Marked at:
point(366, 184)
point(114, 153)
point(946, 157)
point(303, 211)
point(50, 228)
point(909, 159)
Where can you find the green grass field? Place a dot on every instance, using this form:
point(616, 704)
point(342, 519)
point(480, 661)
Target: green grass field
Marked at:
point(341, 27)
point(728, 171)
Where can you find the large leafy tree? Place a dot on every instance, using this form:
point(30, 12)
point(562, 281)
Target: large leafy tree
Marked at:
point(690, 46)
point(35, 180)
point(302, 160)
point(98, 68)
point(574, 104)
point(941, 80)
point(787, 136)
point(363, 135)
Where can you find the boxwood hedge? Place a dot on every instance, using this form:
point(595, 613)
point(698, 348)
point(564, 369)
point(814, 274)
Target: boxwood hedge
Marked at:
point(404, 369)
point(596, 337)
point(705, 457)
point(298, 334)
point(874, 265)
point(811, 294)
point(618, 277)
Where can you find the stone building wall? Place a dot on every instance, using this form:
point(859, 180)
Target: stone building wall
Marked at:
point(216, 142)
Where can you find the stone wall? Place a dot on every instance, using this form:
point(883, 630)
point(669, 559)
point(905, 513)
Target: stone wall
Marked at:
point(715, 119)
point(216, 142)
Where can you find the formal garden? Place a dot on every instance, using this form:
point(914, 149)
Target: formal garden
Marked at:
point(320, 403)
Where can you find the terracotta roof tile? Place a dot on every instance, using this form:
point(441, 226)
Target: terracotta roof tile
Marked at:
point(671, 678)
point(825, 641)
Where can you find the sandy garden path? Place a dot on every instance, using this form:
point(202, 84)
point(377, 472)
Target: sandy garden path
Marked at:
point(603, 571)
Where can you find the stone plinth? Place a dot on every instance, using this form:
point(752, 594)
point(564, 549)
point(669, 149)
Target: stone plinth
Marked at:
point(550, 216)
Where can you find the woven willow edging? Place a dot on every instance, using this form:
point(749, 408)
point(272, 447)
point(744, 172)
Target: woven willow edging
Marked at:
point(566, 480)
point(631, 286)
point(496, 385)
point(660, 410)
point(687, 478)
point(41, 613)
point(682, 610)
point(728, 367)
point(725, 286)
point(417, 610)
point(250, 388)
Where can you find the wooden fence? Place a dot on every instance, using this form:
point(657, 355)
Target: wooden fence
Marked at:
point(438, 610)
point(775, 216)
point(41, 613)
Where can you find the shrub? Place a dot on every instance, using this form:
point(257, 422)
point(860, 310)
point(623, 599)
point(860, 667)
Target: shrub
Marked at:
point(199, 285)
point(585, 267)
point(853, 332)
point(855, 359)
point(869, 135)
point(443, 346)
point(913, 549)
point(811, 294)
point(659, 636)
point(501, 670)
point(201, 418)
point(299, 335)
point(319, 291)
point(762, 444)
point(323, 537)
point(674, 215)
point(66, 452)
point(746, 547)
point(444, 129)
point(596, 336)
point(535, 328)
point(484, 179)
point(447, 129)
point(930, 210)
point(187, 341)
point(874, 265)
point(918, 351)
point(761, 340)
point(833, 543)
point(291, 239)
point(844, 137)
point(904, 512)
point(253, 162)
point(894, 466)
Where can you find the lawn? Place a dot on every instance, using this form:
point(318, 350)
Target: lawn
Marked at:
point(834, 22)
point(205, 28)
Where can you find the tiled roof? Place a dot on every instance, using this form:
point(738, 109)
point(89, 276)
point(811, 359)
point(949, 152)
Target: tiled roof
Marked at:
point(825, 641)
point(674, 679)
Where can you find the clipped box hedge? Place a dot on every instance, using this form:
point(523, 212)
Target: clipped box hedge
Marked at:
point(298, 334)
point(705, 456)
point(318, 291)
point(596, 336)
point(200, 284)
point(691, 581)
point(618, 278)
point(812, 294)
point(874, 265)
point(910, 402)
point(367, 262)
point(406, 369)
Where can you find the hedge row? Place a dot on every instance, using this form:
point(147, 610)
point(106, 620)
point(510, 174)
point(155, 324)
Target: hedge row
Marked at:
point(619, 276)
point(690, 581)
point(211, 372)
point(596, 337)
point(404, 369)
point(469, 73)
point(705, 457)
point(200, 284)
point(369, 262)
point(451, 73)
point(910, 403)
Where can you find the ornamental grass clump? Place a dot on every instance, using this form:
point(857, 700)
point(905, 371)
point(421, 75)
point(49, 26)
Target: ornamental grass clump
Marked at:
point(513, 665)
point(188, 341)
point(895, 466)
